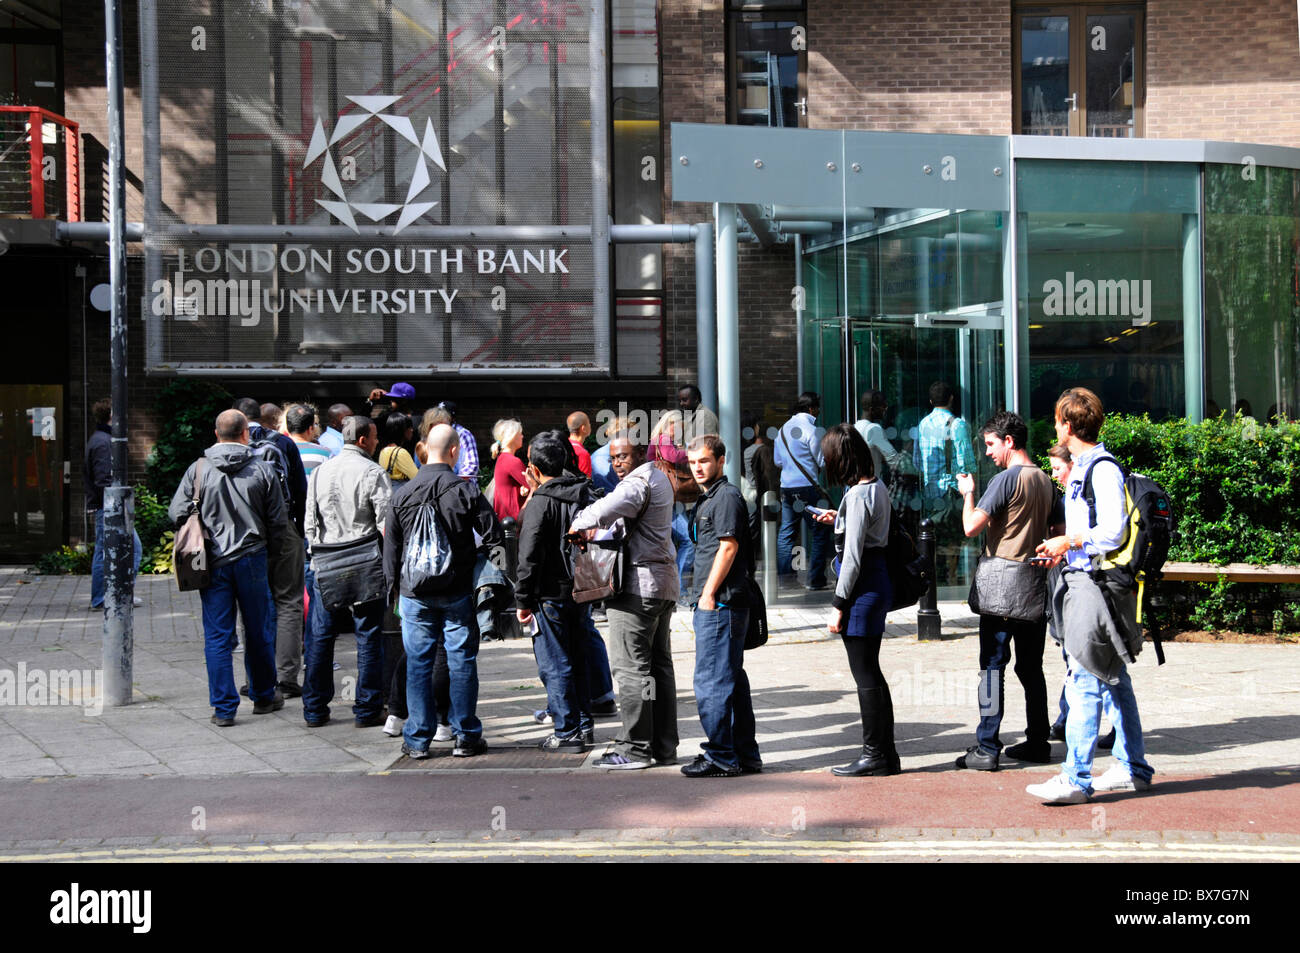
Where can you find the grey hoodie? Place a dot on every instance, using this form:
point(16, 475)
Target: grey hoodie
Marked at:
point(1081, 620)
point(241, 503)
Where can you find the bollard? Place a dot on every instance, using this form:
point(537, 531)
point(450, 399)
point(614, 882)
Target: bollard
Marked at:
point(771, 510)
point(927, 610)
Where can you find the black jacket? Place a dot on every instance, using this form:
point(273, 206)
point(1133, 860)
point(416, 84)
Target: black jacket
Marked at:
point(297, 474)
point(98, 467)
point(463, 510)
point(544, 569)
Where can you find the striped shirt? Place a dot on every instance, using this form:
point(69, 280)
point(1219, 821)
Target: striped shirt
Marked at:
point(313, 454)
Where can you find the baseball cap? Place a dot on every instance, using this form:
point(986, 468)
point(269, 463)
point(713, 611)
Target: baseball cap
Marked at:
point(402, 391)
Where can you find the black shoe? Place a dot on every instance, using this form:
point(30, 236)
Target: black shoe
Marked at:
point(872, 764)
point(371, 721)
point(1039, 753)
point(702, 767)
point(467, 747)
point(290, 689)
point(1057, 732)
point(605, 709)
point(221, 722)
point(756, 768)
point(560, 745)
point(415, 754)
point(589, 737)
point(977, 759)
point(243, 690)
point(265, 708)
point(664, 761)
point(318, 722)
point(1107, 742)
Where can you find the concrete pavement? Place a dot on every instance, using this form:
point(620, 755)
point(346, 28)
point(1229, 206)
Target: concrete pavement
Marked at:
point(1221, 727)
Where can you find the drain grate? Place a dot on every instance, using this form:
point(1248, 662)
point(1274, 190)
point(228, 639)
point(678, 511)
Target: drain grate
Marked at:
point(497, 756)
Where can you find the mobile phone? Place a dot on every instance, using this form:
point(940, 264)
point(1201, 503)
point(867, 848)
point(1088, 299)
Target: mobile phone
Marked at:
point(1040, 560)
point(818, 511)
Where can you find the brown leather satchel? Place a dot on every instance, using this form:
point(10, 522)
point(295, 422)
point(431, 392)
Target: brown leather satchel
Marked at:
point(685, 489)
point(191, 546)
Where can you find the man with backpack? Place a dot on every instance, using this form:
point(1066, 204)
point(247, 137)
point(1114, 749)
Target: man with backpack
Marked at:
point(286, 552)
point(429, 554)
point(544, 592)
point(1094, 619)
point(241, 508)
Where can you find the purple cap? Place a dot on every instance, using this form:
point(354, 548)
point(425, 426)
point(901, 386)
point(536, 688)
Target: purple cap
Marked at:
point(402, 391)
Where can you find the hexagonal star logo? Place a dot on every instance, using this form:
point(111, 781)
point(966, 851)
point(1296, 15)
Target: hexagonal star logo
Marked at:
point(372, 109)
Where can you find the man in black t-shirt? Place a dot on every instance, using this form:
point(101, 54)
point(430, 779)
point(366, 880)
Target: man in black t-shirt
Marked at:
point(724, 564)
point(1013, 513)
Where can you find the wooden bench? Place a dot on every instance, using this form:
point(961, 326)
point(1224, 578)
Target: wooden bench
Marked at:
point(1233, 572)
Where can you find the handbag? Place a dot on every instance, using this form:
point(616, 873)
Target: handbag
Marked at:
point(1009, 589)
point(349, 573)
point(598, 563)
point(192, 547)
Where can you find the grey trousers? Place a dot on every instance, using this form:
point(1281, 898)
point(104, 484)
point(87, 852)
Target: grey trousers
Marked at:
point(641, 661)
point(286, 563)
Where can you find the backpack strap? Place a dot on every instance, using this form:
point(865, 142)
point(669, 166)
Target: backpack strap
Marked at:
point(198, 482)
point(795, 460)
point(1089, 493)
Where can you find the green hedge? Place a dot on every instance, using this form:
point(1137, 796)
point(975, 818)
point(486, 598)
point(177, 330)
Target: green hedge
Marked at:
point(1235, 488)
point(188, 410)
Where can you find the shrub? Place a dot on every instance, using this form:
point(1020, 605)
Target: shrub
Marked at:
point(188, 409)
point(155, 529)
point(64, 561)
point(1235, 488)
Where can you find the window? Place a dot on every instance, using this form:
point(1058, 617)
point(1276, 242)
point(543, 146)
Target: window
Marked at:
point(766, 63)
point(1079, 71)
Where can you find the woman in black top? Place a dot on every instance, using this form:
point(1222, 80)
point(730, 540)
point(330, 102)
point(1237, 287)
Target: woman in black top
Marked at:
point(863, 593)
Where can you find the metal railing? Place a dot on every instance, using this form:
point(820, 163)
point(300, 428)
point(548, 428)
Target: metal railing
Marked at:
point(40, 164)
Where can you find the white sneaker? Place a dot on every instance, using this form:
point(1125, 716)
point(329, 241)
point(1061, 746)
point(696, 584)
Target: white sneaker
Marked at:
point(393, 726)
point(1058, 791)
point(1118, 779)
point(444, 733)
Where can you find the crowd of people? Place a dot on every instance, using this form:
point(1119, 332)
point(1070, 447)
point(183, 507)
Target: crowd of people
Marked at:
point(379, 519)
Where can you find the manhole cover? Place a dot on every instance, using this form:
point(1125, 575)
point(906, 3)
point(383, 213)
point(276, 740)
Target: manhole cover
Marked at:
point(496, 756)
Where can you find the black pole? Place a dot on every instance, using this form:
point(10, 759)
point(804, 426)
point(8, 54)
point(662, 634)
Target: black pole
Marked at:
point(927, 610)
point(119, 551)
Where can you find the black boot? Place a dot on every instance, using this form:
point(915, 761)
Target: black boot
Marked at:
point(878, 755)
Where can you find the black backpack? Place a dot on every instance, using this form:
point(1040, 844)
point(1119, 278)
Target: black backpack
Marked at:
point(1140, 557)
point(1149, 527)
point(907, 569)
point(262, 442)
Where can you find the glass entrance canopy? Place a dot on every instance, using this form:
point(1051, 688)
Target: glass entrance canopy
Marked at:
point(1162, 274)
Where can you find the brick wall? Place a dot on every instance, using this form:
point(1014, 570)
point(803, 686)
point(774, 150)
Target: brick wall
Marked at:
point(898, 66)
point(1226, 70)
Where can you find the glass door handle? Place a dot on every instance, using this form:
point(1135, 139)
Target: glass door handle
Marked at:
point(1073, 100)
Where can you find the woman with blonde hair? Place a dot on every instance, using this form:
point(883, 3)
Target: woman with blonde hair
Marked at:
point(510, 486)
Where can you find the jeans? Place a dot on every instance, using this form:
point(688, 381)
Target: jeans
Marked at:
point(1088, 695)
point(561, 650)
point(366, 619)
point(599, 681)
point(243, 583)
point(427, 622)
point(997, 636)
point(722, 688)
point(787, 537)
point(685, 549)
point(641, 657)
point(97, 562)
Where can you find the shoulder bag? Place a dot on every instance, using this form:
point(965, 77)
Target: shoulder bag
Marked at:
point(191, 546)
point(598, 563)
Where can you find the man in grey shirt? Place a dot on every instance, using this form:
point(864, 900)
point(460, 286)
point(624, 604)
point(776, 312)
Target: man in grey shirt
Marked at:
point(640, 615)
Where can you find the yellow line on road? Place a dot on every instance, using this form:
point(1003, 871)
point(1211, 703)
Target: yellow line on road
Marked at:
point(578, 849)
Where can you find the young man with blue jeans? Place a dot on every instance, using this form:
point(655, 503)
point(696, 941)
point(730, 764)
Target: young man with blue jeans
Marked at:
point(723, 567)
point(1096, 677)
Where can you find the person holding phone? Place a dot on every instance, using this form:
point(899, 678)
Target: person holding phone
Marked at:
point(863, 592)
point(1014, 514)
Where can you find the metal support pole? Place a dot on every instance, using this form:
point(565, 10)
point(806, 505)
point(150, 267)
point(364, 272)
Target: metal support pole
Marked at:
point(927, 610)
point(771, 513)
point(151, 131)
point(1193, 383)
point(706, 335)
point(598, 73)
point(119, 561)
point(728, 338)
point(800, 304)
